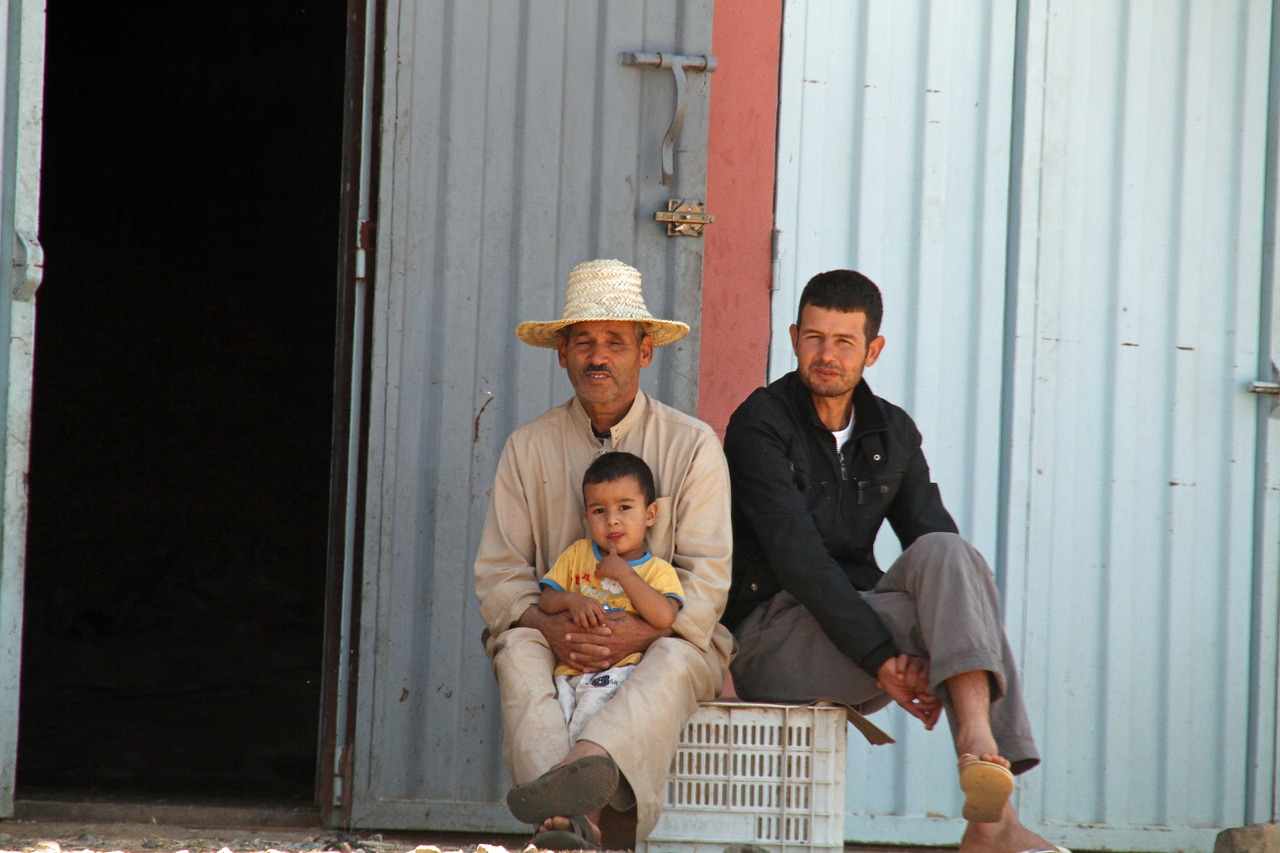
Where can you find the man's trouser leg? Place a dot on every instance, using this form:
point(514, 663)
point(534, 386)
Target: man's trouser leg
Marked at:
point(784, 656)
point(641, 724)
point(534, 732)
point(938, 599)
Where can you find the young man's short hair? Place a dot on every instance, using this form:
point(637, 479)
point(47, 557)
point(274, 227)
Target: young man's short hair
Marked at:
point(847, 291)
point(617, 465)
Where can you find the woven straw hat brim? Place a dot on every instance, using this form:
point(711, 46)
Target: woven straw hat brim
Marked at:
point(604, 290)
point(543, 334)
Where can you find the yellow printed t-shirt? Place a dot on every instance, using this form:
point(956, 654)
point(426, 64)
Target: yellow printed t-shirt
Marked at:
point(575, 571)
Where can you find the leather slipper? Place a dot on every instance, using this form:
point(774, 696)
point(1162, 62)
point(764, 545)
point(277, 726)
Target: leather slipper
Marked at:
point(580, 787)
point(578, 838)
point(986, 787)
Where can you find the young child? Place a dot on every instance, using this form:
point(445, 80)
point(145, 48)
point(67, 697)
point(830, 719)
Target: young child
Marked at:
point(609, 572)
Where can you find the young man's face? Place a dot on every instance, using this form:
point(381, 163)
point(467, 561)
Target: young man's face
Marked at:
point(603, 359)
point(832, 349)
point(618, 517)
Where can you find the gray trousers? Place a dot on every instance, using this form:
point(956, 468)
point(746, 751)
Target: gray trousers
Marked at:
point(938, 600)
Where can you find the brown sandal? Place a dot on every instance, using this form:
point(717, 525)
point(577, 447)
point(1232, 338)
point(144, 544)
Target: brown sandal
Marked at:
point(577, 788)
point(580, 837)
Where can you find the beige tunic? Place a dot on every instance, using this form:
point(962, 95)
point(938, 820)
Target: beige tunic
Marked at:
point(535, 512)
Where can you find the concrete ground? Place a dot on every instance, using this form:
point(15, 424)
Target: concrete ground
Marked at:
point(49, 826)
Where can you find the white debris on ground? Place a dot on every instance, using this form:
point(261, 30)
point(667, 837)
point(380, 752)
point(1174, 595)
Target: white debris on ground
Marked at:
point(169, 840)
point(90, 844)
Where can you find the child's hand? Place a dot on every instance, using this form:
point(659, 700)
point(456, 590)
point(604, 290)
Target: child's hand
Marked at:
point(612, 567)
point(586, 612)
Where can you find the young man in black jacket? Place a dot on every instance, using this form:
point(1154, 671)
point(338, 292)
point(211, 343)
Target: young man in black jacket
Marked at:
point(818, 462)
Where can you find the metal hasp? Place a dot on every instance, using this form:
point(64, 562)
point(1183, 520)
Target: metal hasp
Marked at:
point(1273, 387)
point(678, 64)
point(684, 218)
point(28, 266)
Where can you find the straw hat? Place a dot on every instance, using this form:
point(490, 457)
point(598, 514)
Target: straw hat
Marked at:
point(602, 290)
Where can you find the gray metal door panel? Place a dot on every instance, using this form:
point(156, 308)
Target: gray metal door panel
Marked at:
point(514, 144)
point(21, 82)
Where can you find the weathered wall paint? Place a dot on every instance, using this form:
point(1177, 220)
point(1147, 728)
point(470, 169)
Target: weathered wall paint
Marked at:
point(737, 272)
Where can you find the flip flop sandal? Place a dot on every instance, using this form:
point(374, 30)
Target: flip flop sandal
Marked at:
point(580, 787)
point(986, 787)
point(578, 838)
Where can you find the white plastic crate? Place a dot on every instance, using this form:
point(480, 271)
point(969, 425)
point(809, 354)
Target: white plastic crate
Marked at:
point(769, 775)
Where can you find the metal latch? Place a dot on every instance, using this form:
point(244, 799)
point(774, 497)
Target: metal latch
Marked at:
point(677, 64)
point(28, 266)
point(684, 218)
point(1273, 387)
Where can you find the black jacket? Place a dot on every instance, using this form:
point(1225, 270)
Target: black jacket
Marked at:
point(805, 518)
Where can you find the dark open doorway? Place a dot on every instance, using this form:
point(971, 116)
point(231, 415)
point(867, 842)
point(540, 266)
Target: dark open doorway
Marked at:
point(180, 448)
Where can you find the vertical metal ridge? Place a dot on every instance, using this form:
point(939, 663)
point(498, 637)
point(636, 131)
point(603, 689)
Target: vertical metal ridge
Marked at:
point(1262, 793)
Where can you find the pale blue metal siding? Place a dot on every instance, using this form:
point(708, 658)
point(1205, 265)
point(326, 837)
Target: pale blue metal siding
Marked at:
point(1069, 208)
point(894, 158)
point(1133, 475)
point(514, 145)
point(894, 148)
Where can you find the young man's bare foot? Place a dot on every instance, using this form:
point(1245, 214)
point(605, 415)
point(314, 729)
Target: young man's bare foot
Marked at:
point(1006, 835)
point(988, 757)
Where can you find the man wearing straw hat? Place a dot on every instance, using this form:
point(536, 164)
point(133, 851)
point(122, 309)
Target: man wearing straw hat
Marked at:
point(605, 337)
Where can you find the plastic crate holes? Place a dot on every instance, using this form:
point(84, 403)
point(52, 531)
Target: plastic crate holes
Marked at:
point(779, 768)
point(791, 829)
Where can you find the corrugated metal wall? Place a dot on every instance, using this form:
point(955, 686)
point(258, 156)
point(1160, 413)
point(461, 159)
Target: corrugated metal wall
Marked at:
point(894, 146)
point(1133, 483)
point(1065, 204)
point(514, 145)
point(894, 158)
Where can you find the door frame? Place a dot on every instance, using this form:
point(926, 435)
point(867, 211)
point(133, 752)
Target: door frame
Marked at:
point(362, 116)
point(22, 73)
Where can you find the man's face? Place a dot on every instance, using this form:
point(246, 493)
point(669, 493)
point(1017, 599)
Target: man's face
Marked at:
point(603, 360)
point(833, 349)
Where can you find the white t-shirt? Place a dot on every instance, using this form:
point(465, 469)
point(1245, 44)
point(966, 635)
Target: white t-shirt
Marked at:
point(843, 435)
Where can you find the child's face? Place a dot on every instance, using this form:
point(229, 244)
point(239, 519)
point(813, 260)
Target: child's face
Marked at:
point(617, 516)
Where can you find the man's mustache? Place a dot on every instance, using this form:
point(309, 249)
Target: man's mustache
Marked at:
point(596, 368)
